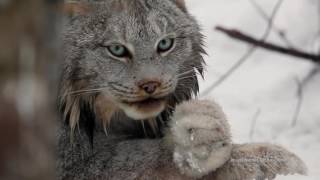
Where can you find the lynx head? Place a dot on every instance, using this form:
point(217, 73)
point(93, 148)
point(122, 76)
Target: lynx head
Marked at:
point(137, 57)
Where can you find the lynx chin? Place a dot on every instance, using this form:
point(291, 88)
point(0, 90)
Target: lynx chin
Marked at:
point(129, 60)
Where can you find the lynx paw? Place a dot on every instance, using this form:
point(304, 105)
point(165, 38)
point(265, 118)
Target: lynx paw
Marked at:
point(201, 136)
point(260, 161)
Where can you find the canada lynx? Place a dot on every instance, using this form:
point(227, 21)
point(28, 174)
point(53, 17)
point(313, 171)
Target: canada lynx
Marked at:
point(129, 60)
point(125, 61)
point(128, 63)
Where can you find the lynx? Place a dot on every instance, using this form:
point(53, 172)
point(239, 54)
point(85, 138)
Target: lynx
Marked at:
point(127, 65)
point(129, 60)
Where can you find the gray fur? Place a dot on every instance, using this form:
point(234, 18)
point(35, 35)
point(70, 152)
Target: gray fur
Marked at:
point(203, 148)
point(138, 24)
point(197, 144)
point(259, 161)
point(199, 133)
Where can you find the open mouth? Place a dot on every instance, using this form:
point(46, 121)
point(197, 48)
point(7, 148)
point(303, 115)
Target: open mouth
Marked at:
point(144, 109)
point(148, 103)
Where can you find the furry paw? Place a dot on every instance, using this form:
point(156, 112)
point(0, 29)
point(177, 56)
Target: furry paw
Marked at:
point(201, 137)
point(260, 161)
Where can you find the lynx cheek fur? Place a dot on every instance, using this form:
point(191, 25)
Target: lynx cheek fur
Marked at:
point(129, 60)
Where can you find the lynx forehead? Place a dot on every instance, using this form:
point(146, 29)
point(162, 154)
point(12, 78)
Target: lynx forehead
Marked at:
point(142, 56)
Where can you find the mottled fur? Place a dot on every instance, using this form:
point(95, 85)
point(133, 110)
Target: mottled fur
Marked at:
point(259, 161)
point(201, 137)
point(196, 146)
point(198, 142)
point(203, 148)
point(90, 75)
point(93, 84)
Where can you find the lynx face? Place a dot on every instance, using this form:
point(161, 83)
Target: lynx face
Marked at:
point(142, 55)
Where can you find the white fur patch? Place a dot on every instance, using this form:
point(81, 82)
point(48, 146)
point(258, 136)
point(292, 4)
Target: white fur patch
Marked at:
point(136, 114)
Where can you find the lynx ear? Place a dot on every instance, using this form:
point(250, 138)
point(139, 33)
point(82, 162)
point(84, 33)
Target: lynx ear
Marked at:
point(76, 8)
point(181, 4)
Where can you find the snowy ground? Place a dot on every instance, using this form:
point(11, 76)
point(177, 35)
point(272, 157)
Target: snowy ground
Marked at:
point(267, 81)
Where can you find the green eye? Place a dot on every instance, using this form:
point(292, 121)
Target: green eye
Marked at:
point(118, 50)
point(165, 45)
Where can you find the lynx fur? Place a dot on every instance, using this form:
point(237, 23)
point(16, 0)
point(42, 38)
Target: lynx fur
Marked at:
point(121, 83)
point(203, 148)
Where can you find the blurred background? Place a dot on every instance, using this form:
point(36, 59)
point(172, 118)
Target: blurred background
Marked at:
point(267, 96)
point(28, 88)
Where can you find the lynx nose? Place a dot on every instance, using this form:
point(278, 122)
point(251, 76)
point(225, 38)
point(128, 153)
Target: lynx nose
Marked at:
point(149, 87)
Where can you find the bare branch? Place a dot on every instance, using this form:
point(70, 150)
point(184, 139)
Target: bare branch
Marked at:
point(254, 122)
point(299, 103)
point(269, 46)
point(281, 33)
point(318, 38)
point(301, 85)
point(246, 56)
point(230, 71)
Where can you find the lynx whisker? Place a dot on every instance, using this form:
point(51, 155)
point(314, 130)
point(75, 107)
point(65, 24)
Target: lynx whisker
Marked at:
point(191, 66)
point(189, 72)
point(77, 92)
point(187, 77)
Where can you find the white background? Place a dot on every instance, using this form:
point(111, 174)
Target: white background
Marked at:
point(267, 81)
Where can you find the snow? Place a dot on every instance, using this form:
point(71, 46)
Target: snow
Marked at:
point(267, 81)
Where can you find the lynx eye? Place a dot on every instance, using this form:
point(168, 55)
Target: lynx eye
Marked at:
point(118, 50)
point(165, 45)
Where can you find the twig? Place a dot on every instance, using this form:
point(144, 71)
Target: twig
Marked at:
point(299, 102)
point(278, 31)
point(301, 85)
point(318, 27)
point(253, 124)
point(246, 56)
point(315, 42)
point(230, 71)
point(269, 46)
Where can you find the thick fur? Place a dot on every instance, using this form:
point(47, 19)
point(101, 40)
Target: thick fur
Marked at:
point(198, 142)
point(259, 161)
point(93, 83)
point(201, 137)
point(89, 74)
point(195, 147)
point(203, 148)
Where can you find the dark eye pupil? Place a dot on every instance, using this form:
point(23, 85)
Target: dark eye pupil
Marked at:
point(117, 48)
point(164, 42)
